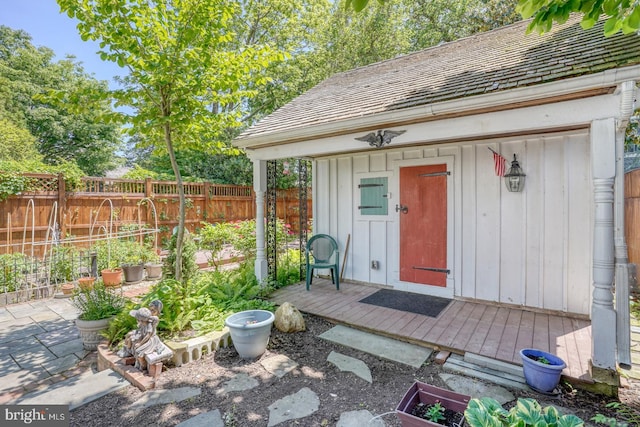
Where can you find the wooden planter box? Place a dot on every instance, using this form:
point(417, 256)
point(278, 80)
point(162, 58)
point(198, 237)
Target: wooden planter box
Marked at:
point(428, 394)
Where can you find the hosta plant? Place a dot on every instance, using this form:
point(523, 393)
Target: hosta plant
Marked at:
point(487, 412)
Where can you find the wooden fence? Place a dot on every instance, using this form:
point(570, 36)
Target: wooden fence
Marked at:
point(632, 214)
point(28, 218)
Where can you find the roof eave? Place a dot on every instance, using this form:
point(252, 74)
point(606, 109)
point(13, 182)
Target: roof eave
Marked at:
point(605, 80)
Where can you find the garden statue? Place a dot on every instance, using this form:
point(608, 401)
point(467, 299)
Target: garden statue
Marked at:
point(143, 343)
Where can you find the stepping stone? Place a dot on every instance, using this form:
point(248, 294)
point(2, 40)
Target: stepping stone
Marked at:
point(279, 365)
point(386, 348)
point(18, 345)
point(359, 419)
point(44, 316)
point(240, 382)
point(10, 377)
point(33, 356)
point(208, 419)
point(58, 336)
point(61, 364)
point(350, 364)
point(77, 391)
point(69, 347)
point(474, 388)
point(297, 405)
point(5, 315)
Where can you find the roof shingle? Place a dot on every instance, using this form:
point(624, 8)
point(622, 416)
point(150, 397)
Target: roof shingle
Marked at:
point(489, 62)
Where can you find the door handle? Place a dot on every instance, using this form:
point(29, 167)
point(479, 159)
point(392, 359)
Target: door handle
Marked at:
point(402, 208)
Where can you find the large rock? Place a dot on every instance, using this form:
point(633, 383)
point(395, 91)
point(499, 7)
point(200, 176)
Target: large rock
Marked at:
point(289, 319)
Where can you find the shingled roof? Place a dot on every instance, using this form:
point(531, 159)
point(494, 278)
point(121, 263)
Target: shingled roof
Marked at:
point(489, 62)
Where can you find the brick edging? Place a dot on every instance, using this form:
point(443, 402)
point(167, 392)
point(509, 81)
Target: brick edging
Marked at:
point(109, 360)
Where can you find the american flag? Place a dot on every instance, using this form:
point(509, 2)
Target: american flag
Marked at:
point(499, 163)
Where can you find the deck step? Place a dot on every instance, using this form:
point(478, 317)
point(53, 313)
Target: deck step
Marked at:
point(456, 363)
point(496, 365)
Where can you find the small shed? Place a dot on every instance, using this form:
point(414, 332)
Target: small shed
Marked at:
point(407, 156)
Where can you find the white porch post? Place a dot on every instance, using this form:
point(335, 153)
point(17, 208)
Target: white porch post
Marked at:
point(627, 104)
point(260, 187)
point(603, 316)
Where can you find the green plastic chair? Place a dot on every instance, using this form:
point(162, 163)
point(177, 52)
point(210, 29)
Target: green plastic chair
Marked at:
point(322, 252)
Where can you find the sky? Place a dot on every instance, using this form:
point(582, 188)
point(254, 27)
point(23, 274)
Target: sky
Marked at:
point(48, 27)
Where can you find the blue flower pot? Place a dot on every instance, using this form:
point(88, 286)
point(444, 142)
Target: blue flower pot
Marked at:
point(540, 376)
point(250, 331)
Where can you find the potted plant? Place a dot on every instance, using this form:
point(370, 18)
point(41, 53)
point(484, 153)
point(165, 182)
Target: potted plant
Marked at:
point(152, 264)
point(112, 276)
point(108, 257)
point(67, 288)
point(542, 370)
point(62, 259)
point(86, 282)
point(250, 331)
point(427, 405)
point(132, 261)
point(96, 306)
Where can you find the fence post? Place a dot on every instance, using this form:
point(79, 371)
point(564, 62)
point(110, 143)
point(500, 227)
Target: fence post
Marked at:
point(148, 188)
point(62, 205)
point(207, 199)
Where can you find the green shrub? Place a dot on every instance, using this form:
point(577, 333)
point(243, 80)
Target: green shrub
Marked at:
point(97, 302)
point(189, 266)
point(65, 263)
point(122, 323)
point(13, 269)
point(288, 269)
point(203, 303)
point(213, 237)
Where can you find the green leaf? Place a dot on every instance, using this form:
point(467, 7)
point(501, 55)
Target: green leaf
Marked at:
point(633, 20)
point(612, 26)
point(527, 410)
point(570, 421)
point(358, 5)
point(610, 7)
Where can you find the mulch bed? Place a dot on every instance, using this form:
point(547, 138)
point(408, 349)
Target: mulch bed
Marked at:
point(338, 391)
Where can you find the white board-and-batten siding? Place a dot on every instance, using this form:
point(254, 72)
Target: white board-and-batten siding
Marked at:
point(530, 249)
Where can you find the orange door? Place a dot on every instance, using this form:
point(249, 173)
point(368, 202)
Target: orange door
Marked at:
point(423, 224)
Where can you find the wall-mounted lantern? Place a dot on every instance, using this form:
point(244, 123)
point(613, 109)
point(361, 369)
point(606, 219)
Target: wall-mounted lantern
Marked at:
point(514, 178)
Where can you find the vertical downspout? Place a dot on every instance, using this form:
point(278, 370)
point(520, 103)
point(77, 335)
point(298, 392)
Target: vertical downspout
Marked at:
point(623, 333)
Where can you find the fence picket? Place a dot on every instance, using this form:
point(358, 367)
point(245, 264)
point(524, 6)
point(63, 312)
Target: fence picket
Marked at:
point(77, 210)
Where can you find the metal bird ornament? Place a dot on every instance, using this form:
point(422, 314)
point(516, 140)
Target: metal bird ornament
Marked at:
point(379, 138)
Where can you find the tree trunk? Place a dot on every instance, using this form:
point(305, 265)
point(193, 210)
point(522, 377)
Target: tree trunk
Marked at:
point(181, 212)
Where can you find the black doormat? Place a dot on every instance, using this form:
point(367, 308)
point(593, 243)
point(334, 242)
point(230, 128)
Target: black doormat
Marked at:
point(426, 305)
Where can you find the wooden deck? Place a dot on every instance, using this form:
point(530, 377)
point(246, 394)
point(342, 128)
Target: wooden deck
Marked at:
point(489, 330)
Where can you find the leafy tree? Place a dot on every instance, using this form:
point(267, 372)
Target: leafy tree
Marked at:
point(622, 15)
point(16, 143)
point(62, 133)
point(187, 76)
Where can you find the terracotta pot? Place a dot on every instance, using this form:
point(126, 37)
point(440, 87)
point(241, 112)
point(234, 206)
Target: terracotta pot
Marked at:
point(112, 277)
point(67, 288)
point(86, 282)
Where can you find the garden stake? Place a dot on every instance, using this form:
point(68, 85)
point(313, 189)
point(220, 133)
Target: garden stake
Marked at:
point(344, 258)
